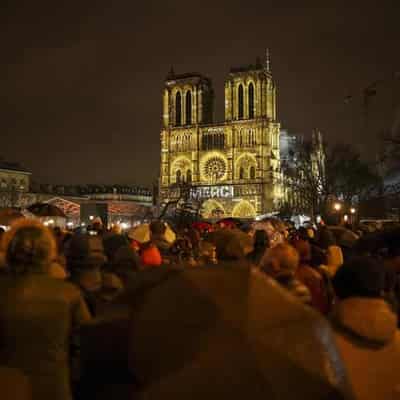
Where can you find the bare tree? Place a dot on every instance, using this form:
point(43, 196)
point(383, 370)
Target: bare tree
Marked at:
point(311, 181)
point(348, 177)
point(182, 210)
point(304, 181)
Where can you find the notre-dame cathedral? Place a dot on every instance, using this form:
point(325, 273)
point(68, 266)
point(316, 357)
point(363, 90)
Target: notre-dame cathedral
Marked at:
point(233, 167)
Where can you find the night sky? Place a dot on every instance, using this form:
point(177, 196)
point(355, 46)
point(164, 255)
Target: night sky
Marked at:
point(82, 81)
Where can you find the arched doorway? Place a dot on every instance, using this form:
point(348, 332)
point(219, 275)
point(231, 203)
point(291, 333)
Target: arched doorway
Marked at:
point(212, 209)
point(244, 209)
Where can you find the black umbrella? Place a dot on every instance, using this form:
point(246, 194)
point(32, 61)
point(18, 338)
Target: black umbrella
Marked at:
point(46, 210)
point(380, 241)
point(344, 237)
point(216, 333)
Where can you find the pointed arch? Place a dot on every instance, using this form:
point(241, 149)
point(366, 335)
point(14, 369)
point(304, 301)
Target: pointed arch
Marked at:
point(179, 168)
point(240, 102)
point(188, 107)
point(251, 100)
point(178, 109)
point(243, 164)
point(189, 176)
point(244, 209)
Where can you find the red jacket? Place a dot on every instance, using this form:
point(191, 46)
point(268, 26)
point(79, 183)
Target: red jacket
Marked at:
point(315, 283)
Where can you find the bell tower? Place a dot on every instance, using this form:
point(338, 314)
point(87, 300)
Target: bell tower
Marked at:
point(187, 100)
point(250, 92)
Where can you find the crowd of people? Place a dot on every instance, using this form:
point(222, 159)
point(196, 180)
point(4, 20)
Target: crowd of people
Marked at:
point(53, 282)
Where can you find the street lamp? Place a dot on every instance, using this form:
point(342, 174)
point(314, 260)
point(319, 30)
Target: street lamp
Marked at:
point(352, 214)
point(337, 206)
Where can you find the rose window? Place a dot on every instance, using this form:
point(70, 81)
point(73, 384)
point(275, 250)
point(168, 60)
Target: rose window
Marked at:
point(215, 168)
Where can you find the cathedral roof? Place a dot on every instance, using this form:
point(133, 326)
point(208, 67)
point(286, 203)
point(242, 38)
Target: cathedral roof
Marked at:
point(187, 76)
point(257, 67)
point(11, 166)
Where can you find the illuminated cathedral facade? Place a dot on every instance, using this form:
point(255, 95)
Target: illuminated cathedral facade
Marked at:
point(232, 168)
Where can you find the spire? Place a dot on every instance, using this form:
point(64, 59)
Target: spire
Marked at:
point(267, 61)
point(171, 73)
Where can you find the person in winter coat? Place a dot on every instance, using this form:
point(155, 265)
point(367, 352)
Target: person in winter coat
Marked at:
point(333, 253)
point(39, 314)
point(281, 262)
point(157, 234)
point(122, 259)
point(85, 260)
point(366, 330)
point(261, 243)
point(311, 278)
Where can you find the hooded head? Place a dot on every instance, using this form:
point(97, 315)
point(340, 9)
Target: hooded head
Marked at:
point(280, 261)
point(29, 247)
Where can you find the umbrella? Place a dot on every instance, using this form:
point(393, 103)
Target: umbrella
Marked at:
point(380, 241)
point(46, 210)
point(371, 243)
point(142, 233)
point(202, 226)
point(9, 215)
point(344, 237)
point(229, 223)
point(236, 335)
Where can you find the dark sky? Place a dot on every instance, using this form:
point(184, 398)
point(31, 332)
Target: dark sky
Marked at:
point(82, 81)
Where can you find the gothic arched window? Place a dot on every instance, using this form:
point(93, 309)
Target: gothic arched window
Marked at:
point(178, 109)
point(178, 176)
point(188, 107)
point(188, 176)
point(252, 173)
point(240, 101)
point(251, 101)
point(241, 173)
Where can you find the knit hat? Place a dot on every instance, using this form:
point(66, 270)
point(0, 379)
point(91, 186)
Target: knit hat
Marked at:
point(361, 277)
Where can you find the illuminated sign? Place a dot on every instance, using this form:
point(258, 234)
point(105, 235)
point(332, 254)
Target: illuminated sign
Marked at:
point(210, 192)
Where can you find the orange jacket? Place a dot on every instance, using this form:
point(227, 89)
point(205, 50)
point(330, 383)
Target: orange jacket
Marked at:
point(151, 256)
